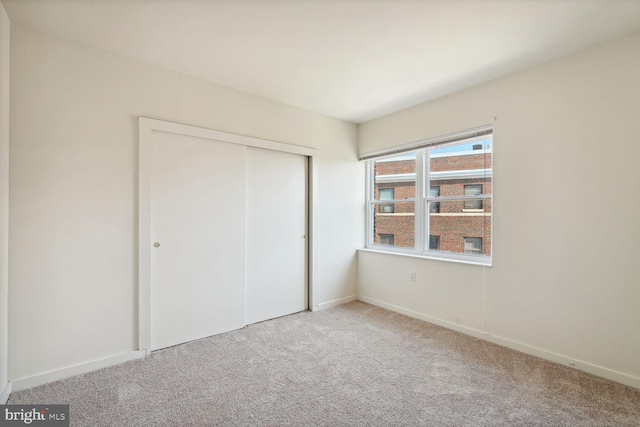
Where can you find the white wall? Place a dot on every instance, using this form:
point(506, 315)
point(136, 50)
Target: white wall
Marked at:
point(565, 277)
point(4, 199)
point(74, 114)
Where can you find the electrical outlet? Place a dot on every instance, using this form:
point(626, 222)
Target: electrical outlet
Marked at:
point(413, 276)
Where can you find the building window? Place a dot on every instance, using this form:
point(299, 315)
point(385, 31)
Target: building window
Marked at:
point(473, 245)
point(434, 191)
point(440, 194)
point(473, 190)
point(386, 194)
point(434, 243)
point(386, 239)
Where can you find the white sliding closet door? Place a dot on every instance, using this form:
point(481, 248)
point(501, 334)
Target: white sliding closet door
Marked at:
point(198, 189)
point(276, 250)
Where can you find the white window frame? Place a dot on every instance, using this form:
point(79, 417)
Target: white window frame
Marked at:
point(422, 199)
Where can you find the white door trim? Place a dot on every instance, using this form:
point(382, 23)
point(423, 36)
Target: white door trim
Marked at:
point(146, 128)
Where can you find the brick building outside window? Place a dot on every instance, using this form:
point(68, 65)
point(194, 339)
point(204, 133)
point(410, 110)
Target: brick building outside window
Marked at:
point(457, 226)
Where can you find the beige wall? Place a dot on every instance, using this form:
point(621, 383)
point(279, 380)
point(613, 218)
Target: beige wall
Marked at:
point(4, 197)
point(565, 275)
point(74, 113)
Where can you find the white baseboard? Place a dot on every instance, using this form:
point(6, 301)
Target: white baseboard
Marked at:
point(463, 329)
point(47, 377)
point(329, 304)
point(591, 368)
point(4, 395)
point(581, 365)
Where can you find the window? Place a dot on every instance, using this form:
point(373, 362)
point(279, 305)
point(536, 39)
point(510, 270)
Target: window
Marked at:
point(386, 239)
point(434, 243)
point(386, 194)
point(473, 245)
point(473, 190)
point(434, 191)
point(440, 194)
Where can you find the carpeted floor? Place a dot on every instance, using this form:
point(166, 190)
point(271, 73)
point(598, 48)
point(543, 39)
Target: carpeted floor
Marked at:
point(352, 365)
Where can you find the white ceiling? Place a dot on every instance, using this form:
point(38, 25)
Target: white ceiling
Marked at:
point(351, 59)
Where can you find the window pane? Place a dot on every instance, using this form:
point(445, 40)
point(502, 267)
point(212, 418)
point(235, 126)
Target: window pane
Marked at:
point(462, 170)
point(434, 191)
point(472, 189)
point(386, 239)
point(395, 177)
point(473, 245)
point(386, 194)
point(386, 208)
point(434, 243)
point(399, 223)
point(457, 228)
point(473, 204)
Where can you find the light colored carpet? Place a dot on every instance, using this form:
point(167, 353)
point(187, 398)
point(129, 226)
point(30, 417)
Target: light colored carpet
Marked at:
point(353, 365)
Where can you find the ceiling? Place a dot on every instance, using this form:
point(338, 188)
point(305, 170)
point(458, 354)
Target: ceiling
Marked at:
point(351, 59)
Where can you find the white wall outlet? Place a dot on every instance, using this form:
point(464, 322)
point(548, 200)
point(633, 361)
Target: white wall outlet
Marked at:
point(413, 276)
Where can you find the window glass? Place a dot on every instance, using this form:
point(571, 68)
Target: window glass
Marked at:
point(400, 224)
point(462, 172)
point(395, 177)
point(434, 243)
point(386, 239)
point(473, 245)
point(385, 194)
point(473, 190)
point(434, 191)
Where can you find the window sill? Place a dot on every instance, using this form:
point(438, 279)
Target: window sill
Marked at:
point(484, 263)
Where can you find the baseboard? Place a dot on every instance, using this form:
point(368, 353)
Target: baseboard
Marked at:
point(6, 391)
point(463, 329)
point(597, 370)
point(333, 303)
point(581, 365)
point(47, 377)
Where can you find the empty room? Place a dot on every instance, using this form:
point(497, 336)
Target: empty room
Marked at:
point(320, 212)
